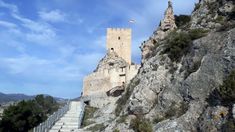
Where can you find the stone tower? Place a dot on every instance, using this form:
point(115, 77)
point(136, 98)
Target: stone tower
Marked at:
point(119, 41)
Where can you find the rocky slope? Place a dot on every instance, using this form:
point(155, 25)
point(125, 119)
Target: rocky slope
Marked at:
point(187, 82)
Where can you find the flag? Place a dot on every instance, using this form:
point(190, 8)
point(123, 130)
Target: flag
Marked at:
point(132, 21)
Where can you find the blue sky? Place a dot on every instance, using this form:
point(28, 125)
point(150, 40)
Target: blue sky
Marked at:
point(48, 46)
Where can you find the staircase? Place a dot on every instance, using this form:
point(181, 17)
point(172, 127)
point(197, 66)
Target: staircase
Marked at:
point(71, 121)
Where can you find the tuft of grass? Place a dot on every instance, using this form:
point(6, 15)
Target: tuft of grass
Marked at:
point(122, 119)
point(88, 114)
point(197, 33)
point(220, 19)
point(97, 128)
point(176, 111)
point(227, 90)
point(116, 130)
point(158, 119)
point(122, 100)
point(140, 124)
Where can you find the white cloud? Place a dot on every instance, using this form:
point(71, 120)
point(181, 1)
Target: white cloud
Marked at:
point(52, 16)
point(41, 68)
point(7, 24)
point(11, 7)
point(38, 32)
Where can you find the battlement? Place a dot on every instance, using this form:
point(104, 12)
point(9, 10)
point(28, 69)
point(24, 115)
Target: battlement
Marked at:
point(107, 72)
point(119, 29)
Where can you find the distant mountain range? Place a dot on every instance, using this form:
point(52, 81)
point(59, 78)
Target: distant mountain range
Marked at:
point(4, 98)
point(13, 97)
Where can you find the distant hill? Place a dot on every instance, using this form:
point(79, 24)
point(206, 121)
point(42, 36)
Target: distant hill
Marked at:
point(13, 97)
point(4, 98)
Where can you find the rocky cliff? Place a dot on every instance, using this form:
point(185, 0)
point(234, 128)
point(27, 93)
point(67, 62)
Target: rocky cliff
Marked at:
point(187, 81)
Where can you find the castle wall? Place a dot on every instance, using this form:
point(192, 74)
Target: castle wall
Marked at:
point(103, 81)
point(131, 72)
point(119, 40)
point(96, 82)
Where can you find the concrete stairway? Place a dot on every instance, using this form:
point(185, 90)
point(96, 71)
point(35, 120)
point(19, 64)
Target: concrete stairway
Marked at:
point(69, 122)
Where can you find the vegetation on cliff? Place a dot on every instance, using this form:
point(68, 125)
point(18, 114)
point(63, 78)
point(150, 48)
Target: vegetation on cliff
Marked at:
point(88, 114)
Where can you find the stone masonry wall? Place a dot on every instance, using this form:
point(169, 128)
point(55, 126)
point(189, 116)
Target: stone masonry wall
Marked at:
point(119, 40)
point(103, 81)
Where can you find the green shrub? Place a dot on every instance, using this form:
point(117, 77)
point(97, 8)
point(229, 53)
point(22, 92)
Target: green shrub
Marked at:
point(178, 44)
point(158, 119)
point(116, 130)
point(140, 124)
point(182, 20)
point(97, 128)
point(175, 110)
point(220, 19)
point(227, 90)
point(122, 119)
point(197, 33)
point(88, 114)
point(122, 100)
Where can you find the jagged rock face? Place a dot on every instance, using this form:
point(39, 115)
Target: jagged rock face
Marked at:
point(164, 82)
point(166, 25)
point(216, 56)
point(111, 61)
point(209, 14)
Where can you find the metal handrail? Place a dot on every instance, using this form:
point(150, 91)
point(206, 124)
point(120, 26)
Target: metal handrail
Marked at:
point(51, 120)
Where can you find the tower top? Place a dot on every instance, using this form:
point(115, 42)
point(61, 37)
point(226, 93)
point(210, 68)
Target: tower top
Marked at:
point(119, 41)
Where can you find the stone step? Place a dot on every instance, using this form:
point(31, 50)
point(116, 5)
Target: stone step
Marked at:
point(56, 127)
point(69, 119)
point(70, 115)
point(59, 123)
point(70, 127)
point(69, 122)
point(53, 130)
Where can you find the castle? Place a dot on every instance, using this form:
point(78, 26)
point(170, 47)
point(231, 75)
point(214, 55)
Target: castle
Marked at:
point(115, 69)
